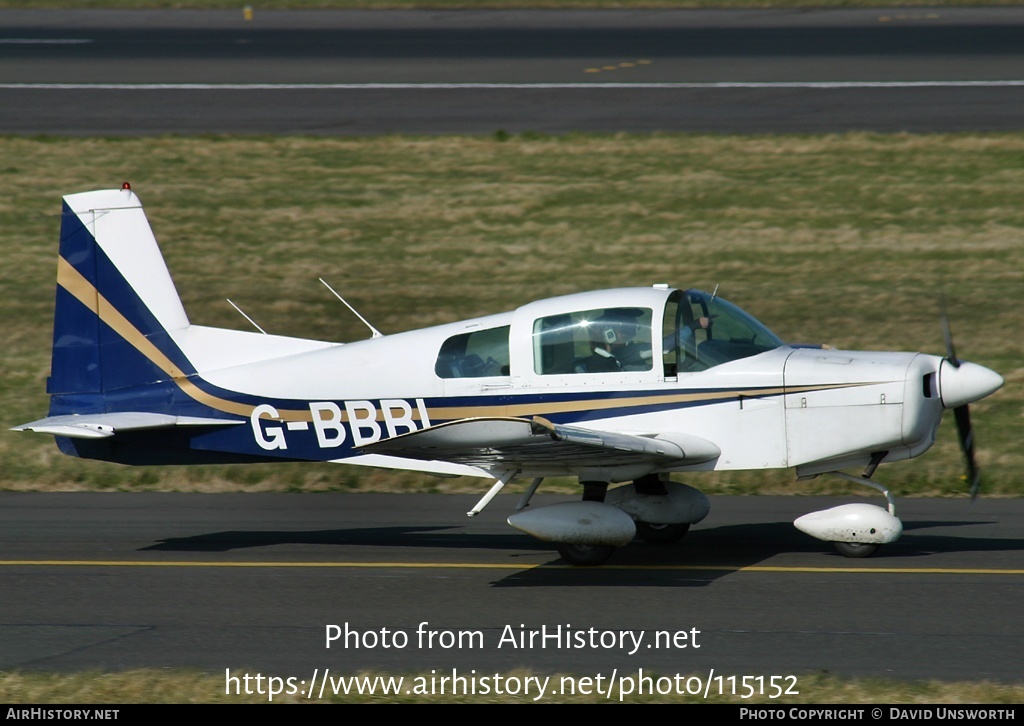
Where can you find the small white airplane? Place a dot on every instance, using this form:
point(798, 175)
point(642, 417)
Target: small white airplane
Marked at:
point(614, 386)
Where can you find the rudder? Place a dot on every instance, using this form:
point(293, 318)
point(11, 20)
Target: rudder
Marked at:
point(115, 302)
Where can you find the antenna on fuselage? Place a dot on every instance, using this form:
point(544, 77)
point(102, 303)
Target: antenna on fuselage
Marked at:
point(714, 293)
point(376, 333)
point(242, 313)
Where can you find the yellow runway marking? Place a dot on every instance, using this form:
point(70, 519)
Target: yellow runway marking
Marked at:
point(497, 566)
point(623, 64)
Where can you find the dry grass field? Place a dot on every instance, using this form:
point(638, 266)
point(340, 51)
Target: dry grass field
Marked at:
point(845, 239)
point(151, 686)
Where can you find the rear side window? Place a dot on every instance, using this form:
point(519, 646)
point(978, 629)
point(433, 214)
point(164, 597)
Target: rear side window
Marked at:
point(480, 354)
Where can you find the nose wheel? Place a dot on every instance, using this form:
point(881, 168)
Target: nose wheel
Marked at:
point(855, 530)
point(855, 549)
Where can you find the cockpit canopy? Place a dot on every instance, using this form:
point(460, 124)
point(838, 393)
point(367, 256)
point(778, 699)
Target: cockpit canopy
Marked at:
point(703, 331)
point(688, 331)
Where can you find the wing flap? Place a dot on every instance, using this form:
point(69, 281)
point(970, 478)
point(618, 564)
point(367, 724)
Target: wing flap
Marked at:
point(525, 443)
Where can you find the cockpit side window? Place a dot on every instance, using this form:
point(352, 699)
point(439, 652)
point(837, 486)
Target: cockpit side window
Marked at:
point(604, 340)
point(480, 354)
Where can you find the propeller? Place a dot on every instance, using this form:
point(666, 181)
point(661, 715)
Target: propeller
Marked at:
point(948, 335)
point(966, 433)
point(962, 414)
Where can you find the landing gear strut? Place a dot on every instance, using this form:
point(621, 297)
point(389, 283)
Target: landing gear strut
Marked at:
point(653, 532)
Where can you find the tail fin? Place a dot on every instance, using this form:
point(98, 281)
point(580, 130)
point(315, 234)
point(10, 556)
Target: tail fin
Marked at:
point(115, 302)
point(127, 362)
point(119, 323)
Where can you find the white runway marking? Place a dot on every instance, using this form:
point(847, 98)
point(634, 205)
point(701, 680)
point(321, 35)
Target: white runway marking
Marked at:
point(500, 86)
point(44, 41)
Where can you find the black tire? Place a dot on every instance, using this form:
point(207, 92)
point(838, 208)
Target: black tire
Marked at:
point(855, 549)
point(661, 533)
point(584, 555)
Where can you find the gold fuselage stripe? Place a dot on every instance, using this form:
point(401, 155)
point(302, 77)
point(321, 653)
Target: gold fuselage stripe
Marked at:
point(85, 292)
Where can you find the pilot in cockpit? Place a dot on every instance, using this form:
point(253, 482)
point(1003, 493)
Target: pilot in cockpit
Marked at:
point(618, 342)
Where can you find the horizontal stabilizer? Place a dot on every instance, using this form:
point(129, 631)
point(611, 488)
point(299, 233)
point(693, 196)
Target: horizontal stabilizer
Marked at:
point(103, 425)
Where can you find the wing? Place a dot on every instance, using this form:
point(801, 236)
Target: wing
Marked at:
point(104, 425)
point(539, 445)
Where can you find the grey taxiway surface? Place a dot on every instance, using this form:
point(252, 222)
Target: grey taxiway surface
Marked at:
point(252, 582)
point(124, 72)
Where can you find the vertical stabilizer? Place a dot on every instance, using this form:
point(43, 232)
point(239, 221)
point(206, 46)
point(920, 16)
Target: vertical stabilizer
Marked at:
point(115, 300)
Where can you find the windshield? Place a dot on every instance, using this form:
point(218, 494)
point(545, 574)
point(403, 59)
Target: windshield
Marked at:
point(708, 331)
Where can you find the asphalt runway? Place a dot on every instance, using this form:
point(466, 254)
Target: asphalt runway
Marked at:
point(251, 582)
point(428, 72)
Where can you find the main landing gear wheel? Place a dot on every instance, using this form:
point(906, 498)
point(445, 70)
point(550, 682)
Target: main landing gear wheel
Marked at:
point(584, 555)
point(855, 549)
point(661, 533)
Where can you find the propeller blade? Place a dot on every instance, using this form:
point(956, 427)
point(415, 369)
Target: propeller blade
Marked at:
point(962, 413)
point(948, 335)
point(966, 433)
